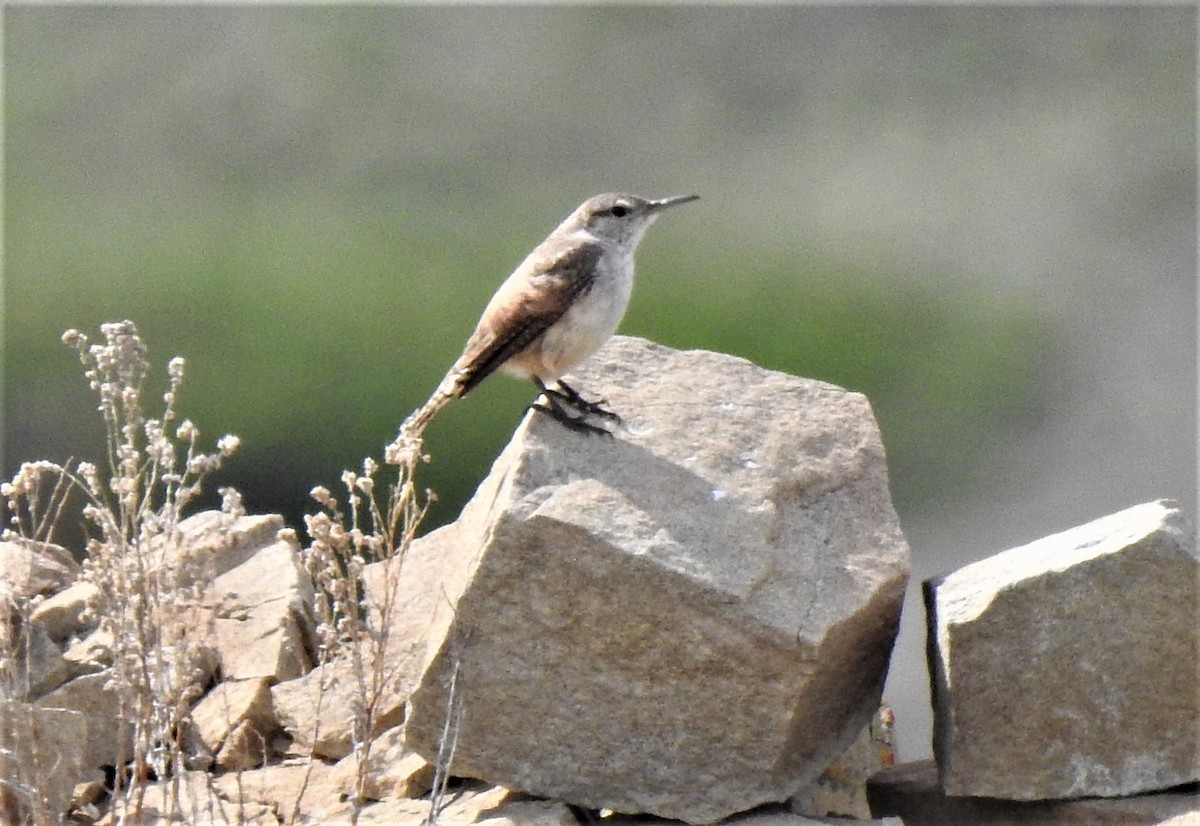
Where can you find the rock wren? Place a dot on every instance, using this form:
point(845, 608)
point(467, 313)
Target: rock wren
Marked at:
point(556, 309)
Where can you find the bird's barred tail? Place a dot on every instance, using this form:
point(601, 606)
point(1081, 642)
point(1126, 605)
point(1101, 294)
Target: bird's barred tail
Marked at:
point(408, 440)
point(415, 424)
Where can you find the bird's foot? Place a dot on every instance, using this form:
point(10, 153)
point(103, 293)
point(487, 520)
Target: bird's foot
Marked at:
point(579, 423)
point(571, 396)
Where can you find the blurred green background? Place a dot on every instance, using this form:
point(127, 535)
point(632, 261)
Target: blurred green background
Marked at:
point(982, 218)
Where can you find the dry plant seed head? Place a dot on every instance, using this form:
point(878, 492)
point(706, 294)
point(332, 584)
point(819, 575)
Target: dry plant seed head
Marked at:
point(555, 310)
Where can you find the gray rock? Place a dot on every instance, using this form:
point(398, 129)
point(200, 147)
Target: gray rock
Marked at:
point(912, 791)
point(689, 619)
point(1067, 667)
point(106, 739)
point(40, 761)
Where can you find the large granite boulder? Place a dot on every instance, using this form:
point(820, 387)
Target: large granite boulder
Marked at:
point(689, 619)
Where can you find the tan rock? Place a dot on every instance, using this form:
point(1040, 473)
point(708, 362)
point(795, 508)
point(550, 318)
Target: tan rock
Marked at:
point(62, 615)
point(29, 568)
point(190, 798)
point(913, 792)
point(391, 771)
point(728, 569)
point(263, 621)
point(88, 792)
point(234, 722)
point(93, 652)
point(220, 542)
point(318, 710)
point(471, 803)
point(1067, 667)
point(279, 787)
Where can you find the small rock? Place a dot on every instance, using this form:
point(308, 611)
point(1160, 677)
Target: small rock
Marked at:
point(214, 542)
point(62, 614)
point(318, 710)
point(1067, 667)
point(234, 722)
point(263, 623)
point(727, 569)
point(93, 652)
point(391, 770)
point(88, 792)
point(913, 792)
point(29, 568)
point(841, 790)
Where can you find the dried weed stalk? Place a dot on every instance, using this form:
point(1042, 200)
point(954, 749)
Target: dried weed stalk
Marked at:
point(352, 624)
point(133, 506)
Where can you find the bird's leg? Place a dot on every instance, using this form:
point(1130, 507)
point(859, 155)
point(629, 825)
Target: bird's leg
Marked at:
point(568, 394)
point(554, 409)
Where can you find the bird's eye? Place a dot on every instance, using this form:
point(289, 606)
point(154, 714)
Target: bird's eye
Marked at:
point(619, 211)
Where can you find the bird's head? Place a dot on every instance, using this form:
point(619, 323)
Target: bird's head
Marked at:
point(619, 218)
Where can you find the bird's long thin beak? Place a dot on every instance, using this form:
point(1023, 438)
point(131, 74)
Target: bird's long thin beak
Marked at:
point(662, 203)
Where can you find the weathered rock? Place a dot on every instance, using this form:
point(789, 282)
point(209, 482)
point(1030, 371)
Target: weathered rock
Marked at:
point(214, 542)
point(106, 739)
point(912, 791)
point(318, 710)
point(40, 761)
point(281, 787)
point(1067, 667)
point(391, 771)
point(234, 722)
point(263, 615)
point(841, 790)
point(93, 652)
point(689, 619)
point(62, 615)
point(40, 665)
point(29, 568)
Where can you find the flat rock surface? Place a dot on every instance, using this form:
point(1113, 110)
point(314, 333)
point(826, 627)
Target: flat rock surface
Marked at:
point(691, 618)
point(1068, 667)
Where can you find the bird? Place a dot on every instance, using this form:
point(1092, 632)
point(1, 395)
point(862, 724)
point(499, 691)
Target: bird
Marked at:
point(555, 310)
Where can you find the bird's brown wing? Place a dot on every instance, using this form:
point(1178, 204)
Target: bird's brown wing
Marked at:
point(525, 309)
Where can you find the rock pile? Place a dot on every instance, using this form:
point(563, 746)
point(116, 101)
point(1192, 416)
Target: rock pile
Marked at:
point(1064, 669)
point(691, 619)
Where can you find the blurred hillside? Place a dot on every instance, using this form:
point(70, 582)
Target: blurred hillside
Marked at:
point(983, 218)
